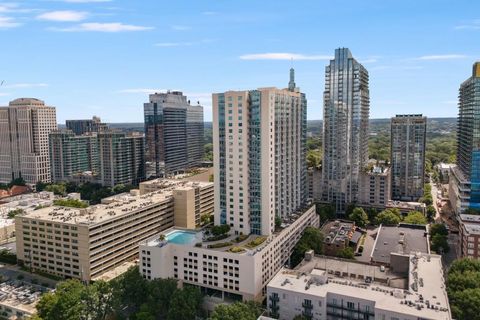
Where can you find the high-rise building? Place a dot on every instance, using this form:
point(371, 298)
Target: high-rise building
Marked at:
point(260, 174)
point(345, 129)
point(80, 127)
point(24, 128)
point(465, 177)
point(121, 158)
point(259, 143)
point(173, 133)
point(408, 138)
point(71, 154)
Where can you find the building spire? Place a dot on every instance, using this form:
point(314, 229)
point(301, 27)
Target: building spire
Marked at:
point(291, 83)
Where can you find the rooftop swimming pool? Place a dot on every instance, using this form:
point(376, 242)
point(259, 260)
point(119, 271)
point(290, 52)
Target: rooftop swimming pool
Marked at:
point(181, 237)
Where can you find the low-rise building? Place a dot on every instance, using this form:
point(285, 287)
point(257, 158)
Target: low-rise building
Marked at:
point(85, 243)
point(314, 180)
point(375, 187)
point(444, 171)
point(469, 236)
point(393, 242)
point(238, 267)
point(325, 288)
point(337, 236)
point(18, 301)
point(405, 207)
point(459, 190)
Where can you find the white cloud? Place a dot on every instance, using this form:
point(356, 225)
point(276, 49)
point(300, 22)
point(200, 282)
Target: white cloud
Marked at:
point(66, 15)
point(103, 27)
point(180, 28)
point(283, 56)
point(472, 25)
point(173, 44)
point(26, 85)
point(442, 57)
point(209, 13)
point(8, 22)
point(3, 94)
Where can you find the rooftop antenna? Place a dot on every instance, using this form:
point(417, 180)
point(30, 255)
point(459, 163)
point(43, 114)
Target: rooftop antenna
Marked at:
point(291, 83)
point(3, 81)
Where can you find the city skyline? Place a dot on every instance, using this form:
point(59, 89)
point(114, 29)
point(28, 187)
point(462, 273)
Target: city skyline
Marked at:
point(180, 46)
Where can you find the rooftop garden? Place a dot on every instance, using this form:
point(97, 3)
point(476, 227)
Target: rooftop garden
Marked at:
point(256, 242)
point(72, 203)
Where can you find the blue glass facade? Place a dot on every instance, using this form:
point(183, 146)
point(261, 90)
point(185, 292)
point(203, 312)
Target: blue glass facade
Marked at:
point(254, 163)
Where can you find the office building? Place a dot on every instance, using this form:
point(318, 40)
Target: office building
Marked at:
point(80, 127)
point(260, 173)
point(24, 128)
point(324, 288)
point(465, 177)
point(121, 157)
point(259, 143)
point(375, 187)
point(86, 243)
point(72, 154)
point(408, 139)
point(173, 133)
point(345, 129)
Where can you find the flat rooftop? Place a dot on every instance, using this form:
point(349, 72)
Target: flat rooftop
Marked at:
point(428, 301)
point(18, 296)
point(338, 231)
point(177, 184)
point(473, 218)
point(472, 228)
point(401, 239)
point(111, 208)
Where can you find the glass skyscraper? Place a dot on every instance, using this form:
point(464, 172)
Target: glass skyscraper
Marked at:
point(173, 133)
point(466, 176)
point(345, 129)
point(259, 140)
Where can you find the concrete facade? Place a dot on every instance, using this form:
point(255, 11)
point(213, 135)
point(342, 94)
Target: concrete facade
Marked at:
point(375, 187)
point(24, 128)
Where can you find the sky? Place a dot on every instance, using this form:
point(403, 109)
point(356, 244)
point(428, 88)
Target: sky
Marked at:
point(101, 57)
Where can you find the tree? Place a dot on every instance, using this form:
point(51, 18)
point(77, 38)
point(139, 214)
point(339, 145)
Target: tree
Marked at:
point(17, 182)
point(359, 216)
point(58, 189)
point(346, 253)
point(278, 222)
point(472, 211)
point(463, 288)
point(64, 304)
point(72, 203)
point(431, 212)
point(300, 317)
point(185, 304)
point(314, 158)
point(438, 228)
point(13, 213)
point(325, 211)
point(237, 310)
point(312, 239)
point(439, 244)
point(40, 186)
point(220, 229)
point(415, 217)
point(389, 217)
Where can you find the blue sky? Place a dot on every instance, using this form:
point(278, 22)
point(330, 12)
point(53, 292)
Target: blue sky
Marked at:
point(102, 57)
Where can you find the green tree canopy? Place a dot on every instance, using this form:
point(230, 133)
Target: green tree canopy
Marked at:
point(415, 217)
point(463, 287)
point(389, 217)
point(346, 253)
point(312, 239)
point(236, 311)
point(359, 216)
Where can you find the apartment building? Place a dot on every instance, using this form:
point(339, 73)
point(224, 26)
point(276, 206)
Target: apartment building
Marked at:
point(464, 190)
point(173, 133)
point(375, 187)
point(408, 141)
point(345, 129)
point(324, 288)
point(238, 271)
point(259, 142)
point(469, 236)
point(24, 128)
point(86, 243)
point(121, 158)
point(80, 127)
point(72, 154)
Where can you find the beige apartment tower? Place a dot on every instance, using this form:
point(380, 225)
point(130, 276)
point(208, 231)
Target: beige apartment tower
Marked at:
point(24, 128)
